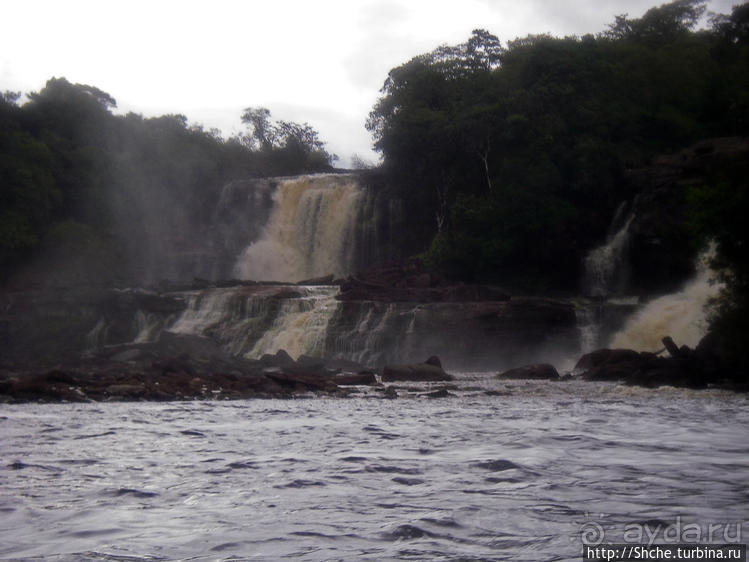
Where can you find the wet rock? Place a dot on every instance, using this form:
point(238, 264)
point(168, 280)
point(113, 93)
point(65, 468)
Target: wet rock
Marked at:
point(301, 382)
point(128, 355)
point(126, 390)
point(441, 393)
point(352, 379)
point(410, 281)
point(497, 393)
point(540, 371)
point(610, 356)
point(478, 335)
point(280, 359)
point(643, 368)
point(172, 344)
point(426, 372)
point(390, 393)
point(434, 361)
point(324, 280)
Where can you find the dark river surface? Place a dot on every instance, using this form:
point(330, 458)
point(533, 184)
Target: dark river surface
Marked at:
point(529, 473)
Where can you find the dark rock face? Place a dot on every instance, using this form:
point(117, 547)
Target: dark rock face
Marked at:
point(411, 282)
point(177, 367)
point(416, 372)
point(472, 335)
point(540, 371)
point(660, 256)
point(355, 379)
point(240, 214)
point(61, 323)
point(441, 393)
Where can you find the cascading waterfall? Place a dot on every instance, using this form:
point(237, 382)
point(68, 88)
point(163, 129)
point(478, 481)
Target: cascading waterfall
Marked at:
point(310, 233)
point(301, 326)
point(375, 334)
point(680, 315)
point(605, 267)
point(252, 322)
point(605, 277)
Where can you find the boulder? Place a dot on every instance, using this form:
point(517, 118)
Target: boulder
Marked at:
point(613, 364)
point(441, 393)
point(434, 361)
point(355, 379)
point(645, 369)
point(390, 393)
point(540, 371)
point(610, 356)
point(280, 359)
point(424, 372)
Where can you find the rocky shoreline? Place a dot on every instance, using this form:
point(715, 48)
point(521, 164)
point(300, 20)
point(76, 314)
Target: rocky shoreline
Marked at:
point(185, 367)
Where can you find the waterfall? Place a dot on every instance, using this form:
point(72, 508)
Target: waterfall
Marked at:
point(605, 267)
point(311, 231)
point(301, 326)
point(374, 333)
point(680, 315)
point(598, 320)
point(253, 321)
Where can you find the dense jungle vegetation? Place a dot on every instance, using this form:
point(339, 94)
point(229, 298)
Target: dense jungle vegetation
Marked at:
point(512, 157)
point(85, 192)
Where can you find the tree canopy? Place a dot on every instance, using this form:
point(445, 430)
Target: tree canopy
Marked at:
point(100, 197)
point(515, 154)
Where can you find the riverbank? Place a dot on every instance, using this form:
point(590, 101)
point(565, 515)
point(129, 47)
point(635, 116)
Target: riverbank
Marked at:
point(179, 367)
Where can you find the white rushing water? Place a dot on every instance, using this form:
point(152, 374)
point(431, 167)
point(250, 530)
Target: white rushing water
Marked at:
point(525, 474)
point(251, 321)
point(681, 315)
point(310, 233)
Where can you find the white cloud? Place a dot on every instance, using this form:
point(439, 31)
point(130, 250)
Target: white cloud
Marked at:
point(321, 62)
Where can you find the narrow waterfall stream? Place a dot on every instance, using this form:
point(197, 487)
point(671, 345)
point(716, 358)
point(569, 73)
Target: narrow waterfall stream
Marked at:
point(605, 267)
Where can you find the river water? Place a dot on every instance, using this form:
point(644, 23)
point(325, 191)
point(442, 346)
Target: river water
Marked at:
point(527, 473)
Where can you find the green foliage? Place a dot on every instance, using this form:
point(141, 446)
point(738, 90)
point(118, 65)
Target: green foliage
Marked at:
point(720, 207)
point(520, 151)
point(87, 196)
point(289, 147)
point(659, 25)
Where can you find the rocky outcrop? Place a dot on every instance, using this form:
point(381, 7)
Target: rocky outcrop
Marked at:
point(411, 282)
point(539, 371)
point(356, 379)
point(430, 370)
point(176, 367)
point(659, 253)
point(474, 335)
point(55, 324)
point(683, 368)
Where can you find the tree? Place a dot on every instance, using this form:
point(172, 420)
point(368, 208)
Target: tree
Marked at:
point(291, 146)
point(512, 147)
point(262, 131)
point(661, 24)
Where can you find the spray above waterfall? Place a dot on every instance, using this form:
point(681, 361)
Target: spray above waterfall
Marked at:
point(311, 231)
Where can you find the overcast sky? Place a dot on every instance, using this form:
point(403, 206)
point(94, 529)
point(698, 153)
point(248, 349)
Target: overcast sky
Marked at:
point(319, 61)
